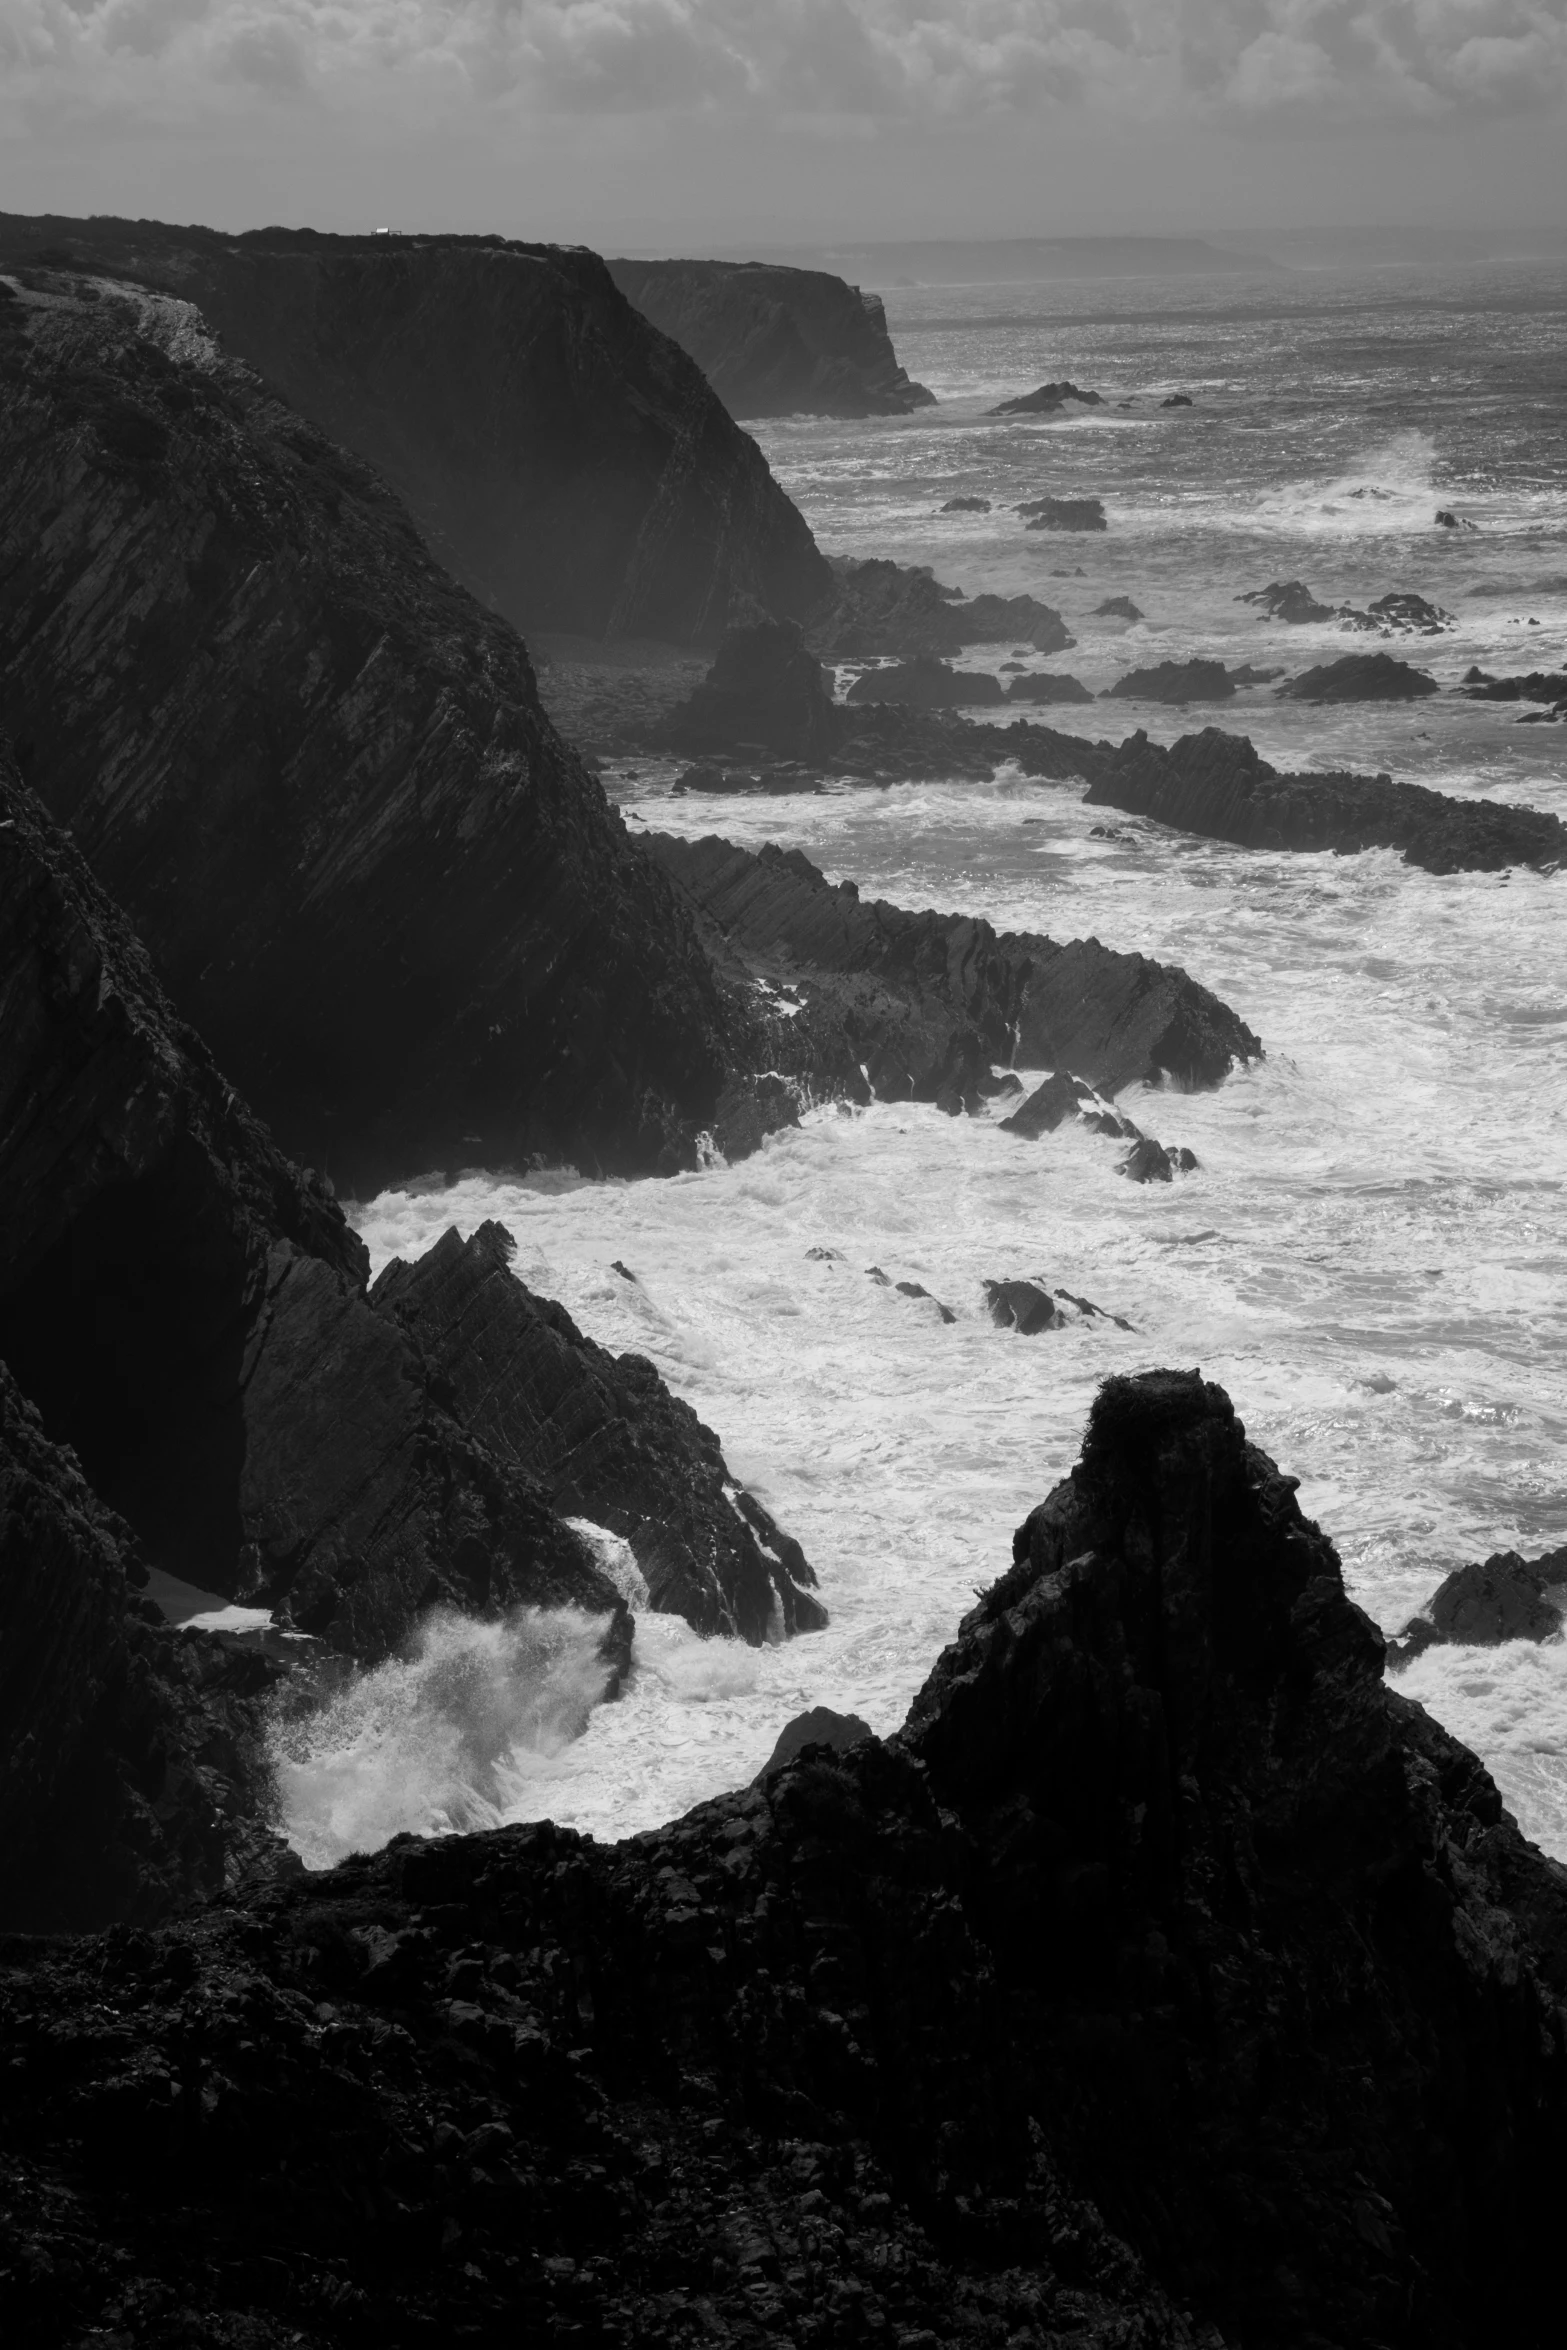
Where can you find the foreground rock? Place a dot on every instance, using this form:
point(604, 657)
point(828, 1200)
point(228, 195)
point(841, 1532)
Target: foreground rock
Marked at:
point(1219, 785)
point(920, 1006)
point(391, 899)
point(1360, 677)
point(1166, 1980)
point(1504, 1598)
point(566, 462)
point(774, 341)
point(603, 1437)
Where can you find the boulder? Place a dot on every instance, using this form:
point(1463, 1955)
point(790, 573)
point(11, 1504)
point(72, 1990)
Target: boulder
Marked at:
point(1176, 681)
point(1047, 400)
point(1065, 514)
point(1360, 677)
point(1505, 1597)
point(601, 1436)
point(776, 341)
point(1043, 685)
point(926, 683)
point(1117, 608)
point(1022, 1306)
point(817, 1726)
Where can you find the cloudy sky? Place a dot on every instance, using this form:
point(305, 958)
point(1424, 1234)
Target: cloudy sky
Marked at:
point(641, 123)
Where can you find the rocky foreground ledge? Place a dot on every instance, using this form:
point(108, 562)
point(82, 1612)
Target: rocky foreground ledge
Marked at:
point(1166, 1981)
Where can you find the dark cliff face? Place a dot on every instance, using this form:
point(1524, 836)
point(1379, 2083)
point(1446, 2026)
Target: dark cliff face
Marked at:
point(565, 461)
point(1166, 1981)
point(318, 776)
point(774, 341)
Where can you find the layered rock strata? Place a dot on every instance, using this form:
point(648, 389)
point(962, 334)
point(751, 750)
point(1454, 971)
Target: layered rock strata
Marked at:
point(570, 465)
point(920, 1006)
point(775, 341)
point(318, 776)
point(1166, 1980)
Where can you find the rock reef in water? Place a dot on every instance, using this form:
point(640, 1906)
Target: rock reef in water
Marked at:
point(1044, 685)
point(775, 341)
point(399, 911)
point(879, 607)
point(924, 1004)
point(1538, 685)
point(1218, 784)
point(1065, 514)
point(926, 683)
point(1504, 1597)
point(566, 462)
point(1360, 677)
point(1048, 400)
point(1166, 1979)
point(602, 1436)
point(1175, 681)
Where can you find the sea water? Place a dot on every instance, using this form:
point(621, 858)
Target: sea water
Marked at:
point(1372, 1256)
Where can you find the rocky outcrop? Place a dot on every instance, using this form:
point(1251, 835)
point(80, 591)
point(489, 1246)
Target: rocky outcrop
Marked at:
point(1360, 677)
point(1048, 400)
point(1065, 514)
point(1117, 608)
point(602, 1436)
point(817, 1726)
point(774, 341)
point(1063, 1097)
point(1028, 1308)
point(188, 1311)
point(1289, 600)
point(1400, 614)
point(1218, 784)
point(1504, 1597)
point(883, 608)
point(1538, 685)
point(567, 463)
point(318, 776)
point(1165, 1980)
point(921, 1005)
point(1176, 681)
point(765, 691)
point(1044, 685)
point(926, 683)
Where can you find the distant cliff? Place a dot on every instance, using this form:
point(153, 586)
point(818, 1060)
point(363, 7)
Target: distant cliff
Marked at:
point(774, 341)
point(566, 463)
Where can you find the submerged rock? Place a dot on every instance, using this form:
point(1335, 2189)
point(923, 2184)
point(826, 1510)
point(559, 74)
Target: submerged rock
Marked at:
point(1360, 677)
point(1165, 1979)
point(776, 341)
point(1506, 1597)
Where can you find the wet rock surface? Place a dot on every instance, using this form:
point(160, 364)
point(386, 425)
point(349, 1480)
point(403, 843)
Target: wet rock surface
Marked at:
point(566, 462)
point(399, 911)
point(818, 1726)
point(601, 1435)
point(775, 341)
point(1218, 784)
point(1167, 1980)
point(1504, 1597)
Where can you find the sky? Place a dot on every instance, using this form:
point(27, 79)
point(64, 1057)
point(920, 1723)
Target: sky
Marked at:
point(685, 125)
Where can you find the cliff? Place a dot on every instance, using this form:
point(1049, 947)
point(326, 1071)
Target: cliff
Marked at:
point(564, 461)
point(1167, 1980)
point(775, 341)
point(317, 775)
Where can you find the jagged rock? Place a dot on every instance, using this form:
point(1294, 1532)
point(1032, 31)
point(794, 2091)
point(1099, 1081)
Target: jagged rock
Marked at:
point(1048, 1106)
point(1167, 1980)
point(1047, 400)
point(926, 683)
point(566, 462)
point(1176, 400)
point(1218, 784)
point(1043, 685)
point(1176, 681)
point(880, 607)
point(1065, 514)
point(918, 1289)
point(401, 914)
point(1360, 677)
point(1147, 1162)
point(766, 690)
point(1446, 519)
point(1288, 600)
point(1539, 685)
point(1117, 608)
point(775, 341)
point(602, 1437)
point(749, 1110)
point(966, 506)
point(1400, 614)
point(818, 1726)
point(1479, 1606)
point(927, 1001)
point(1022, 1306)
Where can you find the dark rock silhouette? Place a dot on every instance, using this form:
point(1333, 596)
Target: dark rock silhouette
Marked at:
point(880, 607)
point(1065, 514)
point(1400, 614)
point(1219, 784)
point(401, 914)
point(1117, 608)
point(1047, 400)
point(1176, 681)
point(1043, 685)
point(775, 341)
point(602, 1436)
point(1022, 1306)
point(765, 689)
point(567, 463)
point(966, 506)
point(818, 1726)
point(926, 683)
point(1506, 1597)
point(1360, 677)
point(1164, 1963)
point(1177, 400)
point(1538, 685)
point(1288, 600)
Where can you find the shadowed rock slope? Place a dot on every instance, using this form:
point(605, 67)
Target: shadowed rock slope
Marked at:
point(920, 1006)
point(1166, 1981)
point(774, 341)
point(317, 775)
point(570, 465)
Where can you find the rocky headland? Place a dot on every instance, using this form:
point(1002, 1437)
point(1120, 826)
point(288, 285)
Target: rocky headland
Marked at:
point(1167, 1979)
point(776, 341)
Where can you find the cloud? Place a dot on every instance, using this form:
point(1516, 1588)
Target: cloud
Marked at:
point(837, 61)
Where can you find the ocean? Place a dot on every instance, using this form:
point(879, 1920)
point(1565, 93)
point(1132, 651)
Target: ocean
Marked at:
point(1372, 1255)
